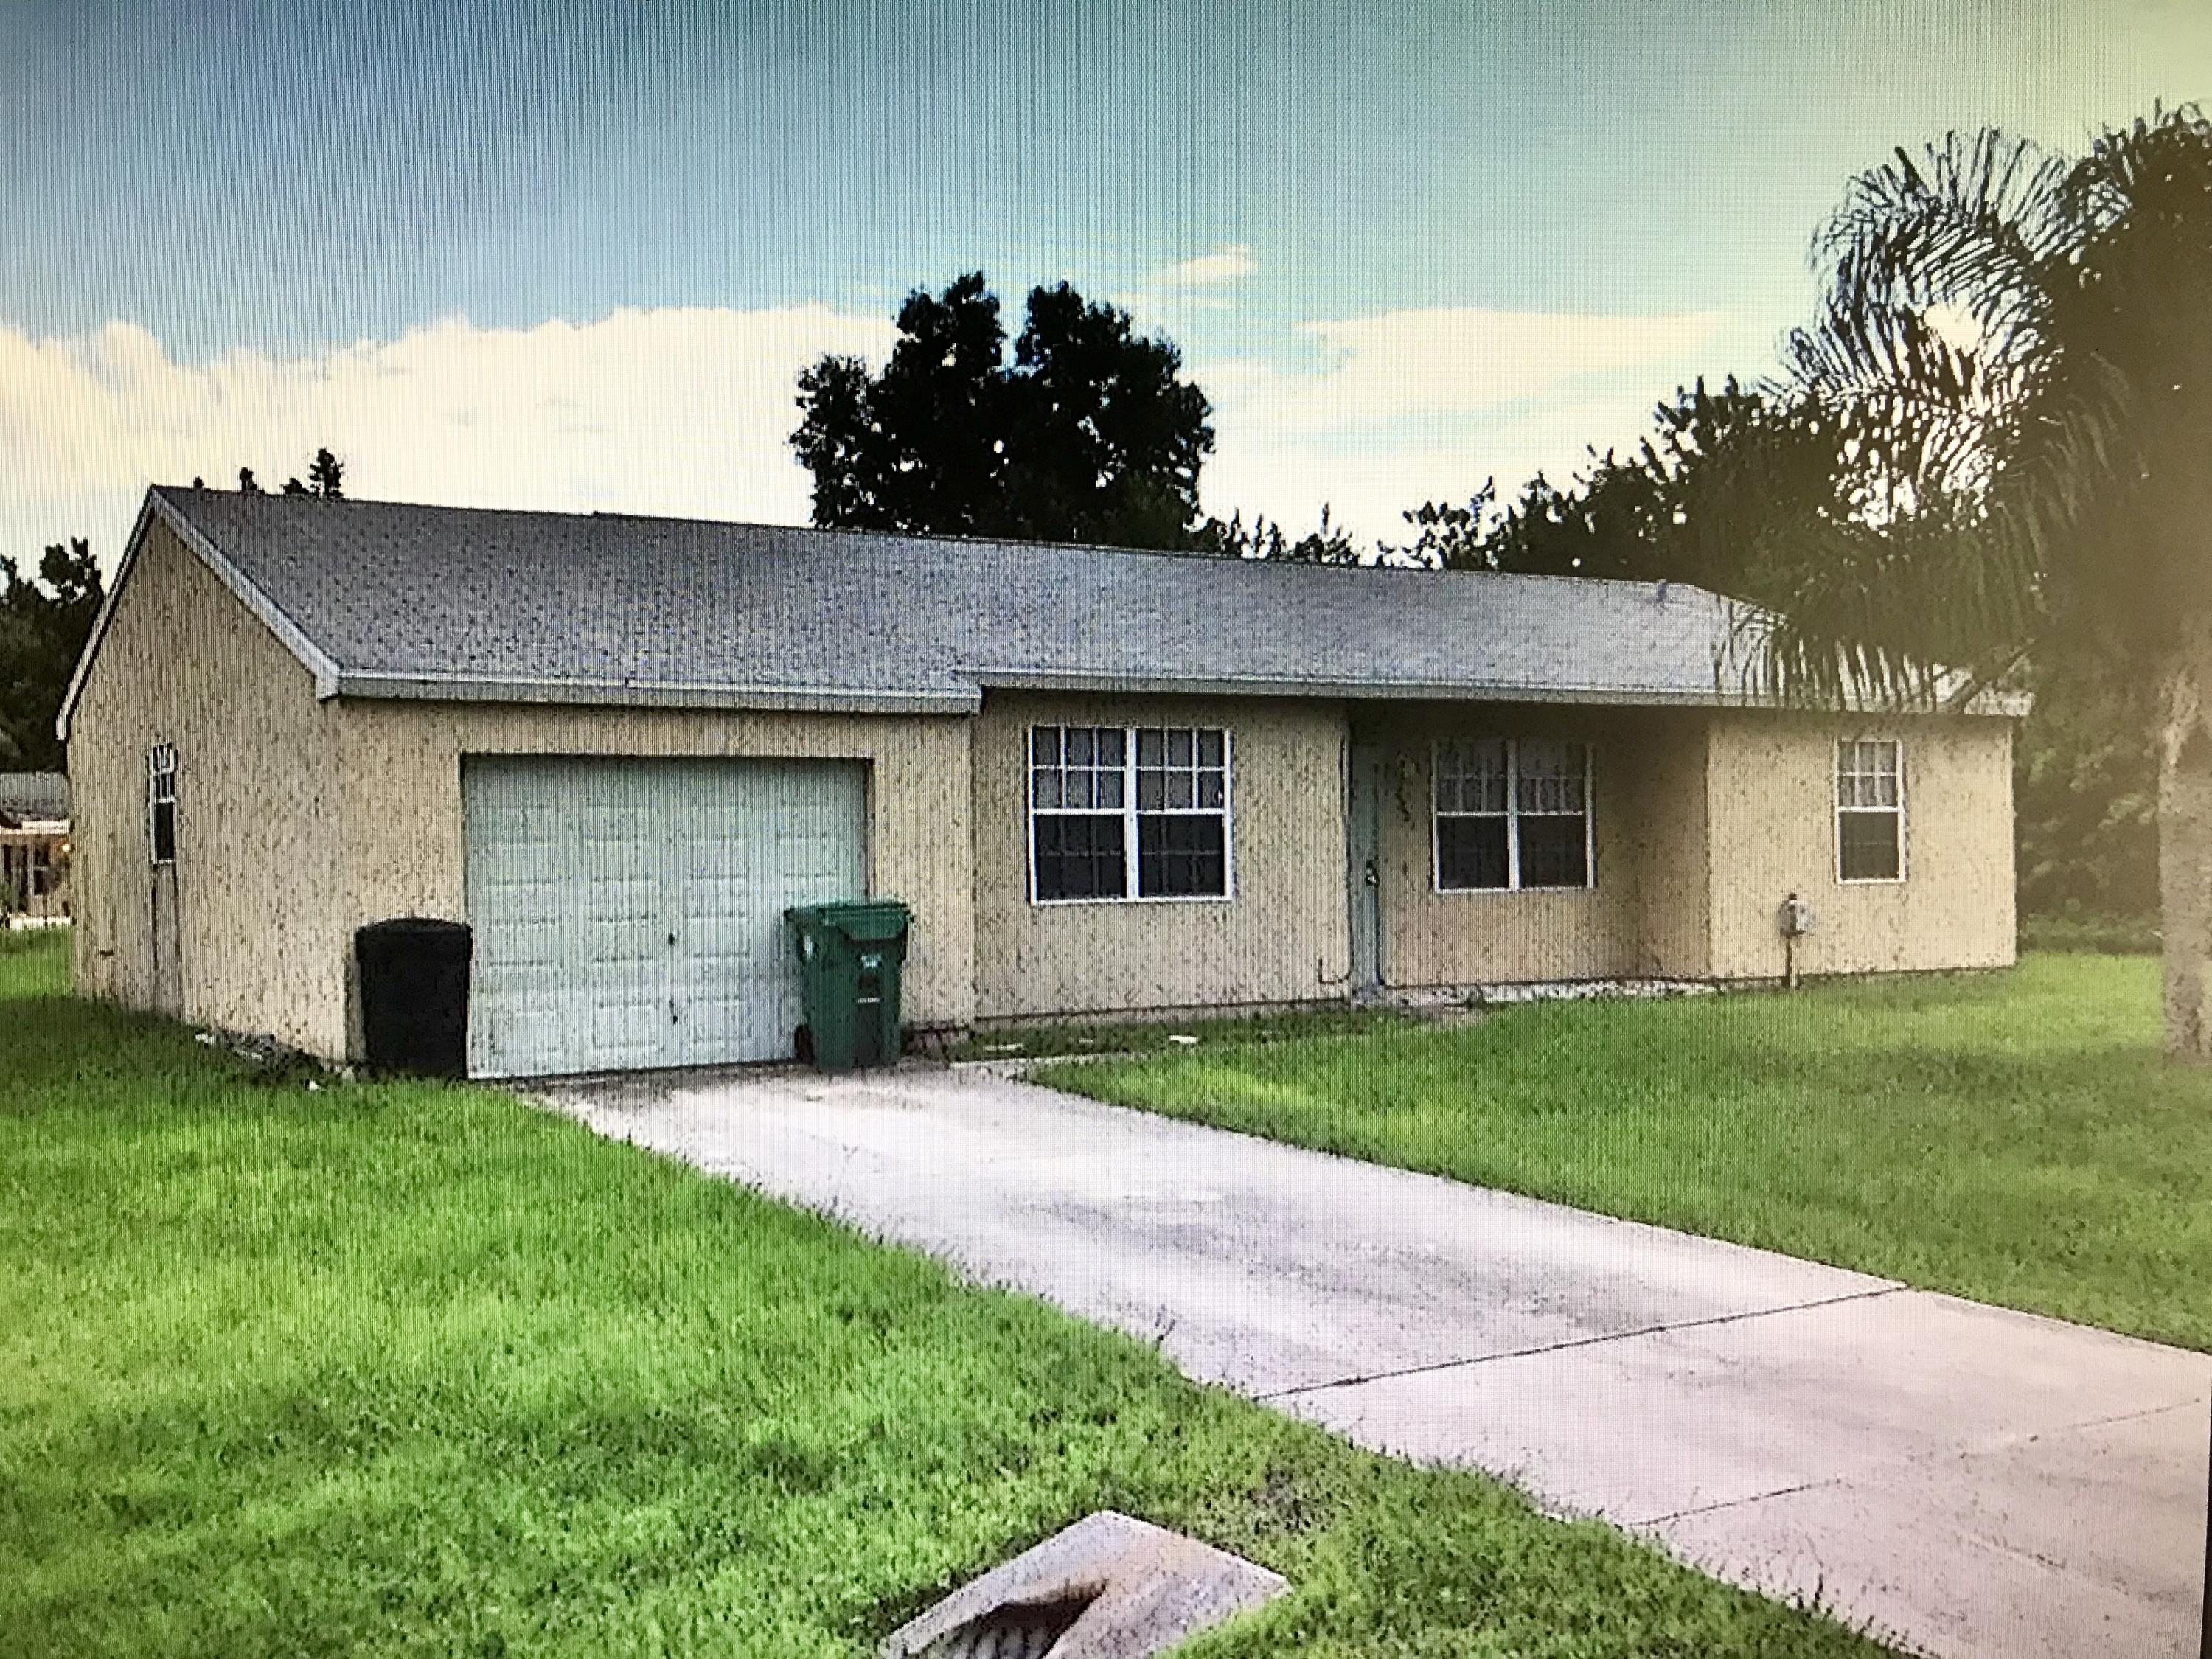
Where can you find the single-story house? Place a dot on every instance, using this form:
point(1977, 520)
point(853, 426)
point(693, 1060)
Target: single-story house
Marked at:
point(1106, 782)
point(34, 847)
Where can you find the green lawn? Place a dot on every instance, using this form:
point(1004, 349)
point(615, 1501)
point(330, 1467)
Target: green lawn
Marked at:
point(2014, 1137)
point(416, 1369)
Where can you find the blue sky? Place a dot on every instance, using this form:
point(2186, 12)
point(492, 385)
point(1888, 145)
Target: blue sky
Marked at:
point(571, 256)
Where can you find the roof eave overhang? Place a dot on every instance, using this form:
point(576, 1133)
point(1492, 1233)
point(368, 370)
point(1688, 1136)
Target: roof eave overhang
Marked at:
point(649, 694)
point(1028, 679)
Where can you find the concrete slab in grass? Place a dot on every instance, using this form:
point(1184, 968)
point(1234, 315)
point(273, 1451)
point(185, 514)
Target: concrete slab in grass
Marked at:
point(1109, 1586)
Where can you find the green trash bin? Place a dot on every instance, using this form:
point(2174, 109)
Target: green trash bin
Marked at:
point(850, 960)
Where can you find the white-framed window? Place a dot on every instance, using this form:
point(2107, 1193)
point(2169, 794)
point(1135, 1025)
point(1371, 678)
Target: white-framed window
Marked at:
point(1869, 809)
point(1512, 814)
point(1129, 812)
point(161, 802)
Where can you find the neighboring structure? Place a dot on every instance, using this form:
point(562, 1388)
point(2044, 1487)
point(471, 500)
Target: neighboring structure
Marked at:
point(1105, 781)
point(34, 848)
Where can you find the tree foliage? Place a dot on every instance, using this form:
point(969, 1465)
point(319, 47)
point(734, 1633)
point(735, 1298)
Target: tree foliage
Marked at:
point(326, 476)
point(325, 479)
point(2011, 374)
point(1089, 435)
point(2085, 796)
point(1657, 511)
point(44, 623)
point(2010, 377)
point(1265, 538)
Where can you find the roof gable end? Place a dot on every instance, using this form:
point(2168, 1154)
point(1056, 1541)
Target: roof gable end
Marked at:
point(158, 508)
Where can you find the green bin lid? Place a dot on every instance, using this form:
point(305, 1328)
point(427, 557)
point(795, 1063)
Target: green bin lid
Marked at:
point(857, 919)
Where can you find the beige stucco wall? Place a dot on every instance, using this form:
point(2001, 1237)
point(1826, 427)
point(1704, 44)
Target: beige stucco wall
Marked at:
point(403, 846)
point(1643, 914)
point(1771, 803)
point(298, 821)
point(258, 943)
point(1281, 938)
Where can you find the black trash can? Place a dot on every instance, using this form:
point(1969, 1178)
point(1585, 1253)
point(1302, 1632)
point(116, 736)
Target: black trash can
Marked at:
point(415, 995)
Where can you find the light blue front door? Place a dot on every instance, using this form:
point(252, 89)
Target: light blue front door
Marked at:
point(1362, 826)
point(629, 913)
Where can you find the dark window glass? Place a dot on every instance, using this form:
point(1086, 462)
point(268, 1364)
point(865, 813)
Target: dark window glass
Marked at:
point(1554, 852)
point(165, 831)
point(1179, 857)
point(1471, 852)
point(1870, 850)
point(1080, 858)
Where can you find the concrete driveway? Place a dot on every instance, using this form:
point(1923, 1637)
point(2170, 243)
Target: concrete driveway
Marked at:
point(1962, 1479)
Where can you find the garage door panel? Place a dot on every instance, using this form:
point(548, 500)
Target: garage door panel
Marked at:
point(629, 913)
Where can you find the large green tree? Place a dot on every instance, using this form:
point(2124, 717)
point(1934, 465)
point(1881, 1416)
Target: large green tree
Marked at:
point(44, 623)
point(2010, 376)
point(1091, 433)
point(1624, 515)
point(2085, 792)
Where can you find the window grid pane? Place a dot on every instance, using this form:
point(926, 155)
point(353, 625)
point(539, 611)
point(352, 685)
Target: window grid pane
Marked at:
point(1869, 809)
point(1470, 852)
point(1870, 846)
point(1471, 777)
point(1512, 814)
point(1183, 821)
point(1550, 777)
point(1554, 850)
point(1182, 769)
point(161, 802)
point(1081, 812)
point(1866, 774)
point(1076, 767)
point(1080, 855)
point(1182, 856)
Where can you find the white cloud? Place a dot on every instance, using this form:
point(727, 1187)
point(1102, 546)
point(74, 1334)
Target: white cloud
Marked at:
point(686, 411)
point(681, 411)
point(1412, 405)
point(1230, 263)
point(1190, 284)
point(1450, 362)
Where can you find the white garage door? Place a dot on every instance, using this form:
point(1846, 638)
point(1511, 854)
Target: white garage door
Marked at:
point(629, 913)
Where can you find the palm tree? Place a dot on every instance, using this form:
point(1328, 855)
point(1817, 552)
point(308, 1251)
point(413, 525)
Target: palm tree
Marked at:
point(2008, 389)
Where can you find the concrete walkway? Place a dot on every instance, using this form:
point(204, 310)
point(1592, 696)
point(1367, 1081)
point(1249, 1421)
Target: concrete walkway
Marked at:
point(1977, 1483)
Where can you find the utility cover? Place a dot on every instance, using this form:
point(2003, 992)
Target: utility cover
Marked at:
point(1109, 1586)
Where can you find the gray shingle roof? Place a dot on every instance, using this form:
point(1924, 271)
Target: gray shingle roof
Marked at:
point(24, 796)
point(394, 599)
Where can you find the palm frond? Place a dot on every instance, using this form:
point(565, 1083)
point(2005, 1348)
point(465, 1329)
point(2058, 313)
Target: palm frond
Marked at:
point(1975, 221)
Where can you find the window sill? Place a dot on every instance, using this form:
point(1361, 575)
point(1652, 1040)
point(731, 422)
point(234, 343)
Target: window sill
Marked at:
point(1156, 898)
point(1507, 892)
point(1870, 881)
